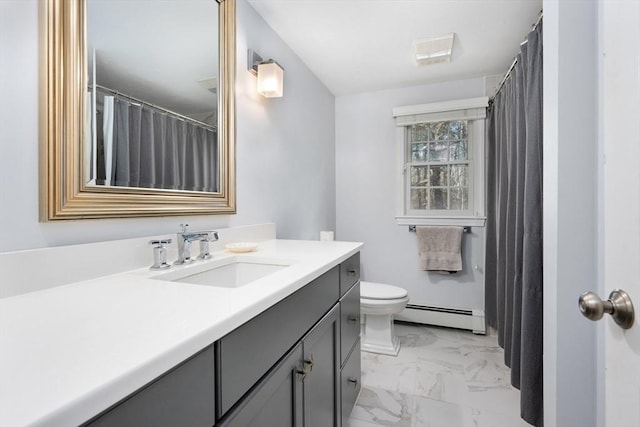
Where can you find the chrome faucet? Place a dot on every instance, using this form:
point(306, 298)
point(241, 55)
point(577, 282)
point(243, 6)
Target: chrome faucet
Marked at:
point(184, 244)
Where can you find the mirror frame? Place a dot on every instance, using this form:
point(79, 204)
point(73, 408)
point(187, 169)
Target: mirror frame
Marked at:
point(63, 192)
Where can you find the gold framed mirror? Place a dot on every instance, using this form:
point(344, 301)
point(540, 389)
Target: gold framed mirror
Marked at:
point(68, 190)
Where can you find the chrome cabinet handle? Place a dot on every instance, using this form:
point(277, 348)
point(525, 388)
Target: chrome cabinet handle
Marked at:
point(353, 380)
point(353, 319)
point(352, 272)
point(619, 306)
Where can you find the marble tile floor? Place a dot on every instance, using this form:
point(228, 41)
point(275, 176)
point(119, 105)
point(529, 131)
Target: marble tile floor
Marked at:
point(441, 378)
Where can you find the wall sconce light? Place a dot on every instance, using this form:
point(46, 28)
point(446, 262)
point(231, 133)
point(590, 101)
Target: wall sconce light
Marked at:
point(269, 73)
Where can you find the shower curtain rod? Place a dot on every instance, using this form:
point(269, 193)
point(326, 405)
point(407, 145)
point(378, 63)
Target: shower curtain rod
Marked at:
point(515, 61)
point(180, 116)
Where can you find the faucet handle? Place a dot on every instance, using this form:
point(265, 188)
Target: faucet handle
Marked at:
point(183, 228)
point(207, 236)
point(159, 254)
point(204, 250)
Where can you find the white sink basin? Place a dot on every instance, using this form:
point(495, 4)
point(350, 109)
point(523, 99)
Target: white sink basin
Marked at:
point(232, 272)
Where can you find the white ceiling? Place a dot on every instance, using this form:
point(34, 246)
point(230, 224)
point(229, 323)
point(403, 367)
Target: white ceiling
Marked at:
point(365, 45)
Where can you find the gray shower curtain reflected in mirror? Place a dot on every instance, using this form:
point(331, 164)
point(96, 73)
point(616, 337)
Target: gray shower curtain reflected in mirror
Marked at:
point(142, 146)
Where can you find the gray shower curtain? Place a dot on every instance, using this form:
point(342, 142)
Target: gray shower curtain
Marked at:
point(153, 149)
point(514, 224)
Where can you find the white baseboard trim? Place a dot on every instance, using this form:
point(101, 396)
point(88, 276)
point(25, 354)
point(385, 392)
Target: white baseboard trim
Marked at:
point(472, 320)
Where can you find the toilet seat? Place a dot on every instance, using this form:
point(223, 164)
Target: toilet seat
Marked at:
point(379, 291)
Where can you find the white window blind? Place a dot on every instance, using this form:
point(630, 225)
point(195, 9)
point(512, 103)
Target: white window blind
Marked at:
point(464, 109)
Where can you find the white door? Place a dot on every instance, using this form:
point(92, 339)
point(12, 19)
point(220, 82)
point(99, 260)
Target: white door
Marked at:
point(620, 133)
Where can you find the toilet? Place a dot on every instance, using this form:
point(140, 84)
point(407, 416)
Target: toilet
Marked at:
point(378, 303)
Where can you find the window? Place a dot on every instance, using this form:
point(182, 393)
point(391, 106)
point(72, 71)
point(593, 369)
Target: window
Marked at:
point(441, 163)
point(439, 166)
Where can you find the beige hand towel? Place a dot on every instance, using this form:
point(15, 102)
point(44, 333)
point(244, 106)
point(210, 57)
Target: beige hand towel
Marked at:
point(440, 248)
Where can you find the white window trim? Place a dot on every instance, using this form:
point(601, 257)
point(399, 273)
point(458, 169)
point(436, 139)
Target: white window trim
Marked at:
point(472, 109)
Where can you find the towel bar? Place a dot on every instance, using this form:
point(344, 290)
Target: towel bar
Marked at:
point(464, 229)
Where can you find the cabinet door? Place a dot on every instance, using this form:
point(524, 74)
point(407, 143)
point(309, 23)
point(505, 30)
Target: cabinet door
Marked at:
point(322, 363)
point(276, 401)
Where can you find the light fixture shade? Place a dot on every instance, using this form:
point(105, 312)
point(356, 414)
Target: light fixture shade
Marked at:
point(270, 79)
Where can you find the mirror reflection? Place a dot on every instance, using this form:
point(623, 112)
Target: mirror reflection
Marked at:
point(152, 116)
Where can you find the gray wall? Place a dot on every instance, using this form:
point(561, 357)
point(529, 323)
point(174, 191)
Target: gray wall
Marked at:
point(366, 197)
point(285, 147)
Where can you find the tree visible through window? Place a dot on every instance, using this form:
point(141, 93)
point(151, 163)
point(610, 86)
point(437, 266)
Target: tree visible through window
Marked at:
point(439, 166)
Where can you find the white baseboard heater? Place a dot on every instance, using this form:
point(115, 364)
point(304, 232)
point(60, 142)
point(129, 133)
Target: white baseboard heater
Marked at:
point(472, 320)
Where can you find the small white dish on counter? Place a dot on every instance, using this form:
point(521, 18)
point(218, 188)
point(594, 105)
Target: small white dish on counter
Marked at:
point(241, 247)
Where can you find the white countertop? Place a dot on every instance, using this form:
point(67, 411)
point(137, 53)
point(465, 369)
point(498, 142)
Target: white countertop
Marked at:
point(69, 352)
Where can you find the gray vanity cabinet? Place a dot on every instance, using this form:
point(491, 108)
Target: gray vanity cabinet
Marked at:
point(302, 389)
point(250, 351)
point(349, 335)
point(295, 364)
point(184, 397)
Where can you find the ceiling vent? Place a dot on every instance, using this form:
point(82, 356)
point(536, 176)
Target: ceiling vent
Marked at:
point(211, 84)
point(433, 50)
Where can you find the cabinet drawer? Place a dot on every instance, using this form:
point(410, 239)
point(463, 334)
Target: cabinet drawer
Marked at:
point(350, 383)
point(182, 397)
point(349, 273)
point(248, 352)
point(349, 321)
